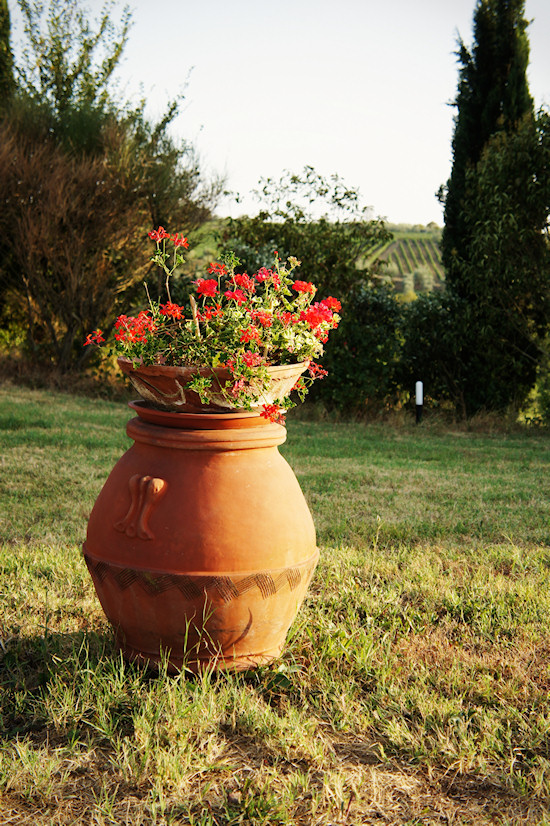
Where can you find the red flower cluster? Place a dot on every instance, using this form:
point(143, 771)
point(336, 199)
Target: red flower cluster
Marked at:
point(236, 295)
point(236, 387)
point(94, 338)
point(130, 329)
point(316, 371)
point(160, 234)
point(304, 287)
point(288, 318)
point(206, 286)
point(210, 313)
point(180, 241)
point(217, 269)
point(332, 303)
point(317, 314)
point(251, 333)
point(252, 359)
point(264, 317)
point(264, 274)
point(273, 413)
point(243, 280)
point(171, 310)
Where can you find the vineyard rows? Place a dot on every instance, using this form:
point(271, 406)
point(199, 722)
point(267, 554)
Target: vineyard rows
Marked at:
point(413, 260)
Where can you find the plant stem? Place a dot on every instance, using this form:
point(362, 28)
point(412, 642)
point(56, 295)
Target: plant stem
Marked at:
point(195, 315)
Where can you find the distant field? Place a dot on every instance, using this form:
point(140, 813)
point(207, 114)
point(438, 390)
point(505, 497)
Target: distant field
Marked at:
point(413, 258)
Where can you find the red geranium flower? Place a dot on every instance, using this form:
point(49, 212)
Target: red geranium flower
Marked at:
point(316, 314)
point(94, 338)
point(243, 280)
point(171, 310)
point(273, 413)
point(158, 234)
point(206, 286)
point(304, 287)
point(264, 317)
point(236, 295)
point(130, 329)
point(251, 333)
point(210, 313)
point(237, 386)
point(288, 318)
point(332, 304)
point(217, 269)
point(316, 371)
point(252, 359)
point(180, 241)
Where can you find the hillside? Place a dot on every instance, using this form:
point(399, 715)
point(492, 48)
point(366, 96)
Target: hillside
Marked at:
point(413, 258)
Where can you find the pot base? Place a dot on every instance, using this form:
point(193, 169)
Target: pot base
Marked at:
point(227, 621)
point(174, 665)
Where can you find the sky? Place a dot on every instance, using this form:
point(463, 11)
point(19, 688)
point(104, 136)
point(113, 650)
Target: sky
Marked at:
point(356, 88)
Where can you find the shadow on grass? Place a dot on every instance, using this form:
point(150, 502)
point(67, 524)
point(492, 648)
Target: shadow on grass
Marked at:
point(49, 678)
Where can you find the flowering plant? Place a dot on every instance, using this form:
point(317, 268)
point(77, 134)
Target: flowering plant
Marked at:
point(243, 323)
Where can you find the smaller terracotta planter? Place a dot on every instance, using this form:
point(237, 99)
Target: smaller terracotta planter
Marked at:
point(166, 386)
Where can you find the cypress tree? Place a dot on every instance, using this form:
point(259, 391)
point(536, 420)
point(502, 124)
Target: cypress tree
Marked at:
point(492, 96)
point(7, 83)
point(494, 242)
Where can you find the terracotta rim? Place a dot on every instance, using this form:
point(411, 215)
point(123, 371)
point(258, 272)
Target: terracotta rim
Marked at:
point(196, 421)
point(216, 437)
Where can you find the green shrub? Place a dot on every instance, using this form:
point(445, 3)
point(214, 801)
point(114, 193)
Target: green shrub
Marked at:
point(363, 355)
point(431, 348)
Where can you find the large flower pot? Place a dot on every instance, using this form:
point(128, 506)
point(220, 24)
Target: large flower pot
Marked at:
point(201, 545)
point(166, 386)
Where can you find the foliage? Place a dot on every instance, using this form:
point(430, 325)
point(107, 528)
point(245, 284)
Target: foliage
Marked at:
point(243, 324)
point(72, 245)
point(493, 96)
point(431, 350)
point(67, 63)
point(319, 221)
point(363, 358)
point(543, 384)
point(81, 178)
point(7, 83)
point(494, 244)
point(507, 275)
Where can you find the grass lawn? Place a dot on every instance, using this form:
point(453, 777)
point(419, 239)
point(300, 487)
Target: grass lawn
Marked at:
point(415, 685)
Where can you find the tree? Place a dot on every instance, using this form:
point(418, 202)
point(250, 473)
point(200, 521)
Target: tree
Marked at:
point(332, 247)
point(494, 244)
point(82, 179)
point(67, 62)
point(70, 246)
point(506, 208)
point(493, 96)
point(7, 83)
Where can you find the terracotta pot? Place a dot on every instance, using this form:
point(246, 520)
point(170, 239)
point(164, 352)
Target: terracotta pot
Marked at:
point(166, 386)
point(201, 544)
